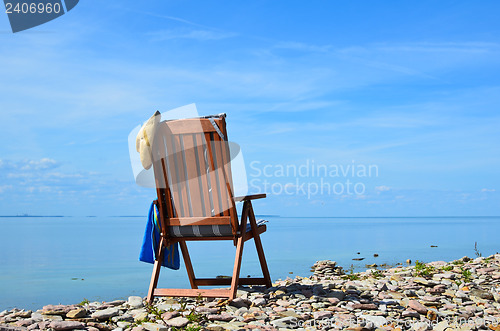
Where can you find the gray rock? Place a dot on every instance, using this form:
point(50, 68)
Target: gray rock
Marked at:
point(206, 310)
point(135, 302)
point(105, 313)
point(169, 314)
point(122, 324)
point(410, 313)
point(319, 305)
point(116, 303)
point(441, 326)
point(241, 311)
point(447, 275)
point(76, 313)
point(142, 316)
point(284, 322)
point(66, 325)
point(319, 315)
point(376, 320)
point(224, 317)
point(478, 259)
point(177, 322)
point(258, 302)
point(417, 306)
point(25, 323)
point(336, 294)
point(437, 263)
point(5, 327)
point(482, 294)
point(240, 302)
point(52, 317)
point(388, 302)
point(420, 326)
point(423, 281)
point(168, 306)
point(364, 306)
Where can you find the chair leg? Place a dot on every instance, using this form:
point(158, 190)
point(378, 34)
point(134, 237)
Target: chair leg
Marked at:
point(189, 265)
point(258, 246)
point(156, 273)
point(237, 266)
point(262, 259)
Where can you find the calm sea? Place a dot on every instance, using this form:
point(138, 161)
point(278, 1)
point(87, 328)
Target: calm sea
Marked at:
point(68, 259)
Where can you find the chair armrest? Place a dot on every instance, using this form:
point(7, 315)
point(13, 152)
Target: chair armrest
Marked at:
point(250, 197)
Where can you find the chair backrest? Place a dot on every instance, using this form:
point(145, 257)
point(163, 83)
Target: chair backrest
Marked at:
point(193, 174)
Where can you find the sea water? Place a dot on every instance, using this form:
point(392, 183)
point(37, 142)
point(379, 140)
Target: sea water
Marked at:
point(46, 260)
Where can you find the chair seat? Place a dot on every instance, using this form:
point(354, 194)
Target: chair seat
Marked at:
point(205, 230)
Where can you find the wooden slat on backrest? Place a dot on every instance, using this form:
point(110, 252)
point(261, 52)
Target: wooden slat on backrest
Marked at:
point(213, 183)
point(172, 161)
point(226, 157)
point(217, 146)
point(181, 172)
point(191, 168)
point(201, 168)
point(194, 166)
point(160, 168)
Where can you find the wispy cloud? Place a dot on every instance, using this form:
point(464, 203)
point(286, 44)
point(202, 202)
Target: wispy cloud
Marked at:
point(32, 175)
point(444, 47)
point(26, 166)
point(298, 46)
point(201, 35)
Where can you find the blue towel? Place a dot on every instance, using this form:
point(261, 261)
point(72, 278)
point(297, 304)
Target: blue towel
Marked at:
point(151, 241)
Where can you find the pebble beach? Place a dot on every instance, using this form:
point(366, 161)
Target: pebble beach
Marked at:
point(459, 295)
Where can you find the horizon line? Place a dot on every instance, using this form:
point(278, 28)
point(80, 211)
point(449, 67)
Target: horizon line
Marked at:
point(260, 215)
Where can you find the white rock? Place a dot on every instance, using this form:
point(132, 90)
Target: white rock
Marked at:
point(376, 320)
point(154, 327)
point(283, 322)
point(123, 325)
point(420, 326)
point(135, 302)
point(259, 302)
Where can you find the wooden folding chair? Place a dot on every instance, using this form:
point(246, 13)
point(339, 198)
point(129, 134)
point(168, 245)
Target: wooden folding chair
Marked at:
point(195, 199)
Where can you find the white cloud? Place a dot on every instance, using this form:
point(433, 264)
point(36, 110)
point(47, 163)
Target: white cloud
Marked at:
point(488, 190)
point(4, 188)
point(44, 163)
point(382, 188)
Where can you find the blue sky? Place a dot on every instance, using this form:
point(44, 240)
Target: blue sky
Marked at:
point(412, 88)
